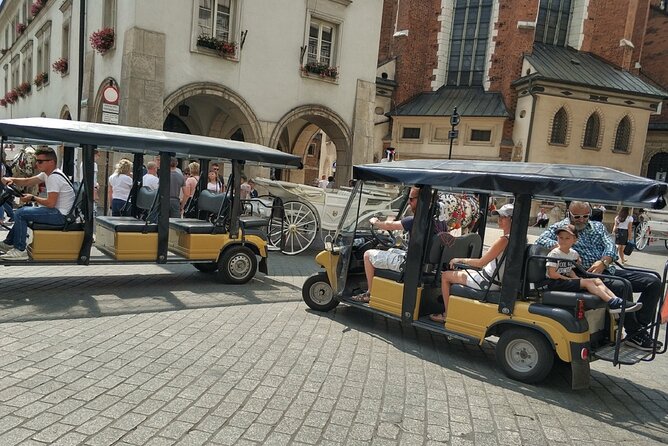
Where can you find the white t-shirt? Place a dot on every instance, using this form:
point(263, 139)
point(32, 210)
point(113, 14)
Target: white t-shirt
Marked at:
point(57, 183)
point(150, 181)
point(121, 185)
point(78, 175)
point(625, 224)
point(560, 261)
point(216, 187)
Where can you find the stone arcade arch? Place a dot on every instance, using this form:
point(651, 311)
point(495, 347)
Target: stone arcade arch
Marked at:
point(213, 110)
point(290, 136)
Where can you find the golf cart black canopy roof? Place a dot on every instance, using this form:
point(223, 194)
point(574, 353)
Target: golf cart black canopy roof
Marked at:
point(560, 181)
point(139, 140)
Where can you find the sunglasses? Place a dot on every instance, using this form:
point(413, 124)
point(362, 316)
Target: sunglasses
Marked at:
point(40, 161)
point(580, 217)
point(412, 198)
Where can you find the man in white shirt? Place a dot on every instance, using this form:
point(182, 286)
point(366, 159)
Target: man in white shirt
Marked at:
point(51, 210)
point(151, 180)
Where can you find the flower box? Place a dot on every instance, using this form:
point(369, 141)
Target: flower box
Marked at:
point(3, 102)
point(23, 89)
point(41, 79)
point(60, 66)
point(102, 40)
point(11, 96)
point(20, 28)
point(36, 7)
point(222, 47)
point(321, 69)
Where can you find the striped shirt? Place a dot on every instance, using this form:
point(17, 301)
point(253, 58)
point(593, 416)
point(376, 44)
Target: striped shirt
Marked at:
point(593, 242)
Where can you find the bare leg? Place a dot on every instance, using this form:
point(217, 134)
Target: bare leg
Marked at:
point(597, 288)
point(369, 270)
point(620, 252)
point(448, 278)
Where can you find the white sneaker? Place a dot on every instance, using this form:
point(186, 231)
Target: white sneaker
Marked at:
point(15, 255)
point(4, 247)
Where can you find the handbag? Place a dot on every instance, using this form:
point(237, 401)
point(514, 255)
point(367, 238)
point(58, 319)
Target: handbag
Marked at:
point(190, 208)
point(630, 246)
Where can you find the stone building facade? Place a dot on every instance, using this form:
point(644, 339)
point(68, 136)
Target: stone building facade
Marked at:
point(273, 73)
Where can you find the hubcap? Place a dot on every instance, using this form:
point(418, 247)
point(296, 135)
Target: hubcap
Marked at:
point(321, 293)
point(239, 266)
point(521, 355)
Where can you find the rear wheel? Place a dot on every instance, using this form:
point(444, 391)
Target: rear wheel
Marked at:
point(524, 355)
point(237, 265)
point(318, 293)
point(206, 267)
point(643, 236)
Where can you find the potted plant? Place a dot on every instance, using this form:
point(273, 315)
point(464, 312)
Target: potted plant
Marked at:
point(227, 48)
point(207, 42)
point(41, 78)
point(223, 47)
point(23, 89)
point(3, 102)
point(60, 66)
point(20, 28)
point(37, 6)
point(321, 69)
point(102, 40)
point(11, 96)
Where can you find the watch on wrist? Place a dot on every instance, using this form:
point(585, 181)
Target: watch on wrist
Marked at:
point(606, 262)
point(32, 199)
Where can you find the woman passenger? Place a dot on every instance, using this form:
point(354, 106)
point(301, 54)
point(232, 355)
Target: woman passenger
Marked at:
point(120, 184)
point(190, 184)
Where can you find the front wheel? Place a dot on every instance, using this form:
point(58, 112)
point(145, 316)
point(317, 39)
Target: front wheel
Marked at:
point(237, 265)
point(643, 236)
point(318, 293)
point(524, 355)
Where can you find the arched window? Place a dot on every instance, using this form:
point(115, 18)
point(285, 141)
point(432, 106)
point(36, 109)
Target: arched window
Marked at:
point(559, 127)
point(623, 135)
point(592, 131)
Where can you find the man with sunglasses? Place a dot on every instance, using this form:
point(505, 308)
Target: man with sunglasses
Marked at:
point(50, 210)
point(598, 252)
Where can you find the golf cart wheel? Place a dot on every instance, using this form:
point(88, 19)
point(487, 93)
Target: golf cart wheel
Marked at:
point(207, 268)
point(237, 265)
point(318, 293)
point(524, 355)
point(643, 236)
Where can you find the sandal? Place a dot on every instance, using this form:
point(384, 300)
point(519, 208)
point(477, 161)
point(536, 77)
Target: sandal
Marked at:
point(362, 297)
point(437, 317)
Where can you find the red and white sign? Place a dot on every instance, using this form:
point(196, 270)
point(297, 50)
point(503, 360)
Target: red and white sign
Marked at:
point(110, 106)
point(110, 95)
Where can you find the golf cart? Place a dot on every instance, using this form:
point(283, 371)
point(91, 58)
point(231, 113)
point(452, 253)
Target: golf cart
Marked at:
point(531, 323)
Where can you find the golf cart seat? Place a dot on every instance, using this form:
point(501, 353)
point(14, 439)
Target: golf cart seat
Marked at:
point(207, 201)
point(146, 201)
point(71, 223)
point(535, 274)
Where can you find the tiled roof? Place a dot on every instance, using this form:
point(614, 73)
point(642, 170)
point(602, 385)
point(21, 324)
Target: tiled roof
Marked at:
point(470, 101)
point(575, 67)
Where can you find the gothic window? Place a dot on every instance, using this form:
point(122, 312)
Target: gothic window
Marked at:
point(468, 43)
point(592, 131)
point(559, 127)
point(623, 135)
point(552, 23)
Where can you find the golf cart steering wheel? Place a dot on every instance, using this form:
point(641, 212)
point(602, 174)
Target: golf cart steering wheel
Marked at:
point(9, 191)
point(383, 237)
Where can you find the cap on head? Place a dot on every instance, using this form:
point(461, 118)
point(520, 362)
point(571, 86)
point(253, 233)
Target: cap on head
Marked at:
point(504, 211)
point(568, 228)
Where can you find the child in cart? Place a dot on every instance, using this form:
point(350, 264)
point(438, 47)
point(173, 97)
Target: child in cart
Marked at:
point(561, 277)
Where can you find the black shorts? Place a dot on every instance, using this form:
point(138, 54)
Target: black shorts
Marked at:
point(621, 236)
point(572, 285)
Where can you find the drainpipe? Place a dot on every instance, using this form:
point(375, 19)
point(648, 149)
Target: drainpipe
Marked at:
point(82, 37)
point(533, 111)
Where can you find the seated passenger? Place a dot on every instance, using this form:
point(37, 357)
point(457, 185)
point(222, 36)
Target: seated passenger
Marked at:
point(393, 258)
point(488, 277)
point(561, 277)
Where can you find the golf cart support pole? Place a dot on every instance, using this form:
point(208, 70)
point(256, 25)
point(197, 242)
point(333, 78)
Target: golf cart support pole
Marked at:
point(515, 254)
point(163, 217)
point(88, 183)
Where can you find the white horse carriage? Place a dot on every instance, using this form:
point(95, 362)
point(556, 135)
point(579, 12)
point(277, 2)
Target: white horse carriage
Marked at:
point(308, 210)
point(654, 226)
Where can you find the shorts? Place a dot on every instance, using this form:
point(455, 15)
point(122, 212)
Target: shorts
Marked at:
point(477, 281)
point(621, 236)
point(392, 259)
point(572, 286)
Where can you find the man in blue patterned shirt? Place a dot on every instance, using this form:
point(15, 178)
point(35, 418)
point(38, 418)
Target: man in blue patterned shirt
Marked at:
point(598, 253)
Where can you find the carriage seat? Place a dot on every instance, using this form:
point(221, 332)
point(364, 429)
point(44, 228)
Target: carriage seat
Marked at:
point(147, 201)
point(535, 273)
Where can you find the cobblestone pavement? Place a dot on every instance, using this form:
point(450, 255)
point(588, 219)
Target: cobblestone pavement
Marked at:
point(137, 354)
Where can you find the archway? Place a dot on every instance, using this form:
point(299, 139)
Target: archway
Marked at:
point(297, 131)
point(658, 167)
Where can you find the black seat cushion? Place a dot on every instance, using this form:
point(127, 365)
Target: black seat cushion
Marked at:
point(126, 224)
point(389, 274)
point(253, 222)
point(472, 293)
point(45, 227)
point(567, 299)
point(191, 225)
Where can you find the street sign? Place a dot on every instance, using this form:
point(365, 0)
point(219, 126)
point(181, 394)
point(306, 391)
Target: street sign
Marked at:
point(453, 134)
point(110, 108)
point(110, 95)
point(109, 118)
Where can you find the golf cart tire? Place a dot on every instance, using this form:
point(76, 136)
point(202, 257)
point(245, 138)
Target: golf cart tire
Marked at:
point(524, 355)
point(208, 268)
point(318, 293)
point(237, 265)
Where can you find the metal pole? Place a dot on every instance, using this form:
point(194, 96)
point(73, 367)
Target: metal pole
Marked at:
point(454, 121)
point(82, 40)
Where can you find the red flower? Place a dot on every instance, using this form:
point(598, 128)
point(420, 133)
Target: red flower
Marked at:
point(23, 88)
point(11, 96)
point(20, 28)
point(36, 7)
point(41, 78)
point(3, 102)
point(102, 40)
point(60, 66)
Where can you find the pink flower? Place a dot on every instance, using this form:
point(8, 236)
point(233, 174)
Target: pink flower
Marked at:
point(102, 40)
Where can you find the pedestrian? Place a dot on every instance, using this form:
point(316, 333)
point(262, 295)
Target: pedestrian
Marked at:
point(120, 185)
point(7, 207)
point(542, 219)
point(151, 179)
point(51, 209)
point(176, 182)
point(190, 185)
point(623, 231)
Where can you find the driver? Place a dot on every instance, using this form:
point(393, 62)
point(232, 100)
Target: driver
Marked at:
point(51, 210)
point(393, 258)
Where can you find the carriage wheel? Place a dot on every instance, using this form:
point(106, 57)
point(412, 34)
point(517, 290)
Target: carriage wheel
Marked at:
point(643, 236)
point(300, 226)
